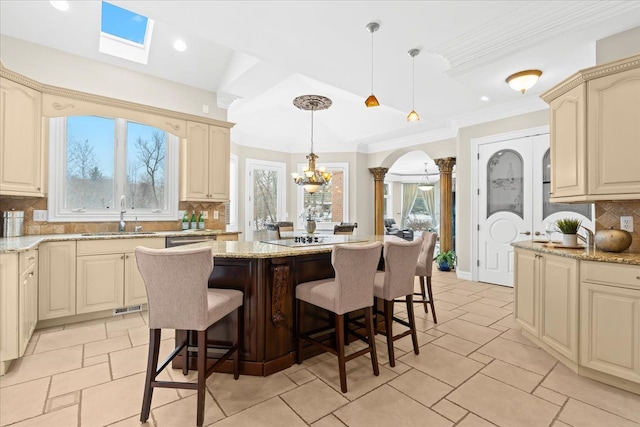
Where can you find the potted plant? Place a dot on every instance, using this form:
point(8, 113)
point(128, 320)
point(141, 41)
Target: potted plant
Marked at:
point(569, 228)
point(446, 260)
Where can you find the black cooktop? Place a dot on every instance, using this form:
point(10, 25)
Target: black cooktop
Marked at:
point(317, 240)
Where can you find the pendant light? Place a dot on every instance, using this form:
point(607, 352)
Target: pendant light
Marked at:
point(413, 116)
point(372, 101)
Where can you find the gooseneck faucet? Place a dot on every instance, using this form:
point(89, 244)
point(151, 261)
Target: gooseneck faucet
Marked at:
point(123, 210)
point(589, 240)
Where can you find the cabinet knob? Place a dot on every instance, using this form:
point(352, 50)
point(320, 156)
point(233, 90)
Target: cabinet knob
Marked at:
point(126, 256)
point(32, 257)
point(31, 273)
point(38, 188)
point(528, 233)
point(122, 257)
point(537, 233)
point(638, 277)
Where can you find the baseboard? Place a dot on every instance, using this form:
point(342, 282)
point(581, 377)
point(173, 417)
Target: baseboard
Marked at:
point(464, 275)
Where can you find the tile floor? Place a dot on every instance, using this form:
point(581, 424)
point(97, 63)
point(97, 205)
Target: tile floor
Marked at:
point(474, 369)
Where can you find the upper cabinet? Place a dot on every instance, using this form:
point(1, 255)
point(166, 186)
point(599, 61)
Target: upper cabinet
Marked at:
point(595, 134)
point(21, 148)
point(204, 163)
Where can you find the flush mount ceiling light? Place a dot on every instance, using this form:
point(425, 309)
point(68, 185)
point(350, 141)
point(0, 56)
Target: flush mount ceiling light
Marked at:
point(372, 101)
point(312, 178)
point(180, 45)
point(523, 80)
point(413, 116)
point(62, 6)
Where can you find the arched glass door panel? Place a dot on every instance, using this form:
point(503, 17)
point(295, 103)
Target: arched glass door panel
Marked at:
point(551, 208)
point(505, 180)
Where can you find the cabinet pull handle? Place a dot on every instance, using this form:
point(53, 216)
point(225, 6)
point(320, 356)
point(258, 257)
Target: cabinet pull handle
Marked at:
point(528, 233)
point(638, 277)
point(537, 233)
point(122, 257)
point(31, 274)
point(126, 256)
point(32, 257)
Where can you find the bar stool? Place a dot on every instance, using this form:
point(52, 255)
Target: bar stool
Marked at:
point(396, 281)
point(178, 298)
point(273, 231)
point(351, 289)
point(424, 268)
point(285, 225)
point(344, 229)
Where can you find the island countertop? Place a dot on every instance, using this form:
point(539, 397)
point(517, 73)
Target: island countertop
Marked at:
point(597, 255)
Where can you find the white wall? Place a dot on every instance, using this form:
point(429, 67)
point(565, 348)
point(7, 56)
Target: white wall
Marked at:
point(618, 46)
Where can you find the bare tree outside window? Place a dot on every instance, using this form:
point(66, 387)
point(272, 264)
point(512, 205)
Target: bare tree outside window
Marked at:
point(265, 184)
point(146, 156)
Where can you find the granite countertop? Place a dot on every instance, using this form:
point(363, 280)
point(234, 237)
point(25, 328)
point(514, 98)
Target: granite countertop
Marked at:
point(24, 243)
point(597, 255)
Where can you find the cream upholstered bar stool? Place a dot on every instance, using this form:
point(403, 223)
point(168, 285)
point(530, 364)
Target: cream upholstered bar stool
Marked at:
point(285, 225)
point(344, 229)
point(397, 280)
point(273, 231)
point(351, 289)
point(178, 298)
point(424, 268)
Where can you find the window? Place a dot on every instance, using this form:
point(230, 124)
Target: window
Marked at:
point(125, 34)
point(328, 205)
point(231, 207)
point(95, 161)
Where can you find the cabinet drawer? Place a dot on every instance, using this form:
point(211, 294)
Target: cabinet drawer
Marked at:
point(108, 246)
point(27, 259)
point(618, 274)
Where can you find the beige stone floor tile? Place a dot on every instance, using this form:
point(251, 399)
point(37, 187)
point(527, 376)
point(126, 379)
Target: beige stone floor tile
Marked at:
point(41, 365)
point(508, 322)
point(55, 403)
point(90, 361)
point(468, 331)
point(43, 331)
point(516, 336)
point(459, 291)
point(446, 315)
point(70, 337)
point(234, 396)
point(301, 376)
point(495, 294)
point(177, 376)
point(405, 344)
point(456, 299)
point(550, 396)
point(31, 346)
point(472, 420)
point(486, 310)
point(124, 324)
point(457, 345)
point(580, 414)
point(492, 302)
point(122, 397)
point(508, 306)
point(512, 375)
point(479, 357)
point(499, 328)
point(134, 360)
point(450, 410)
point(360, 377)
point(79, 379)
point(443, 364)
point(314, 400)
point(66, 417)
point(271, 413)
point(386, 406)
point(477, 319)
point(328, 421)
point(424, 322)
point(118, 333)
point(443, 305)
point(471, 286)
point(139, 335)
point(610, 399)
point(532, 359)
point(399, 369)
point(557, 423)
point(84, 323)
point(133, 422)
point(421, 387)
point(436, 333)
point(22, 401)
point(183, 412)
point(486, 397)
point(106, 346)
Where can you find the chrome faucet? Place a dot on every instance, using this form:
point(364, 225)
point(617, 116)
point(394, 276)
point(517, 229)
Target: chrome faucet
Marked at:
point(136, 227)
point(589, 240)
point(123, 210)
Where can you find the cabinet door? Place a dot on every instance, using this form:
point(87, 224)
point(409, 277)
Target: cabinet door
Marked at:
point(610, 322)
point(227, 237)
point(57, 280)
point(219, 158)
point(559, 304)
point(526, 310)
point(20, 140)
point(134, 289)
point(28, 309)
point(100, 284)
point(194, 165)
point(568, 144)
point(614, 132)
point(8, 307)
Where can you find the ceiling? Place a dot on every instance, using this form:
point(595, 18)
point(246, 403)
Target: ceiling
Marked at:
point(259, 55)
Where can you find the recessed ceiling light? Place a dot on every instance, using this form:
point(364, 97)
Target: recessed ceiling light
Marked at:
point(484, 98)
point(179, 45)
point(62, 5)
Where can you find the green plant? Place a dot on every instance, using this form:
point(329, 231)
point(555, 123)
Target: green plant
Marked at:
point(449, 257)
point(568, 225)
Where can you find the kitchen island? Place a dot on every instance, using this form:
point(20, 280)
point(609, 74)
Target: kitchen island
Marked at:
point(582, 308)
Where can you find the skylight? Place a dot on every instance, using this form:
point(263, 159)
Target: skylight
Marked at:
point(125, 34)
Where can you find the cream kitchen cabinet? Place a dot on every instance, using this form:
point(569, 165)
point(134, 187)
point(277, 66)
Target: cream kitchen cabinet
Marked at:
point(21, 143)
point(547, 300)
point(57, 281)
point(610, 319)
point(107, 276)
point(204, 165)
point(18, 304)
point(594, 133)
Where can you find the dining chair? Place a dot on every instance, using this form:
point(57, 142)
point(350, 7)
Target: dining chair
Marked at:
point(178, 296)
point(397, 280)
point(351, 289)
point(424, 267)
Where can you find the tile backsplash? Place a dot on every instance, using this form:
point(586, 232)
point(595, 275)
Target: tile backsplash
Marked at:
point(608, 216)
point(29, 204)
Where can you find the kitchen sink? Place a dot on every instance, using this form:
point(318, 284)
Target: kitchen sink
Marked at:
point(118, 233)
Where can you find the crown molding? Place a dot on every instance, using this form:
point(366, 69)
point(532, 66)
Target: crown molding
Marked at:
point(224, 99)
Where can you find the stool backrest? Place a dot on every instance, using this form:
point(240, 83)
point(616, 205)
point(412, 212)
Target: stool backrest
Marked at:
point(273, 231)
point(425, 259)
point(343, 229)
point(285, 225)
point(176, 281)
point(400, 259)
point(355, 267)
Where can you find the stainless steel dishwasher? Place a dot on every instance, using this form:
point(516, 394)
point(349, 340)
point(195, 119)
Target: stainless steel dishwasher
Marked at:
point(173, 241)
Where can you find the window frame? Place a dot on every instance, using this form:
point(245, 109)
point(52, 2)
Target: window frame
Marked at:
point(57, 171)
point(325, 226)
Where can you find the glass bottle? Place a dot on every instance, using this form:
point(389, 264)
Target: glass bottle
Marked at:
point(194, 220)
point(200, 221)
point(185, 221)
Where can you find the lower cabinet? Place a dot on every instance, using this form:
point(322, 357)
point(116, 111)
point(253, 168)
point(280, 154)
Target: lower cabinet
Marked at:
point(57, 281)
point(610, 319)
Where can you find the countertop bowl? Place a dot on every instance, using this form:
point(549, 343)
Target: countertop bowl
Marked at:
point(613, 240)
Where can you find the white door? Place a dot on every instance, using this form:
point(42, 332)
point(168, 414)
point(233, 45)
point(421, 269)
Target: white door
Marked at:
point(513, 203)
point(265, 196)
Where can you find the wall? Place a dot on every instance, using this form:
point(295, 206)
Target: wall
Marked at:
point(608, 216)
point(618, 46)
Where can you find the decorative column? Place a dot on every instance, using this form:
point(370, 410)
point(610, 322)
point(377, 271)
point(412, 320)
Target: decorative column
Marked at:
point(378, 199)
point(446, 202)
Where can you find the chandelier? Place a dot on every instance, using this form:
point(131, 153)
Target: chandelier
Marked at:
point(425, 185)
point(312, 178)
